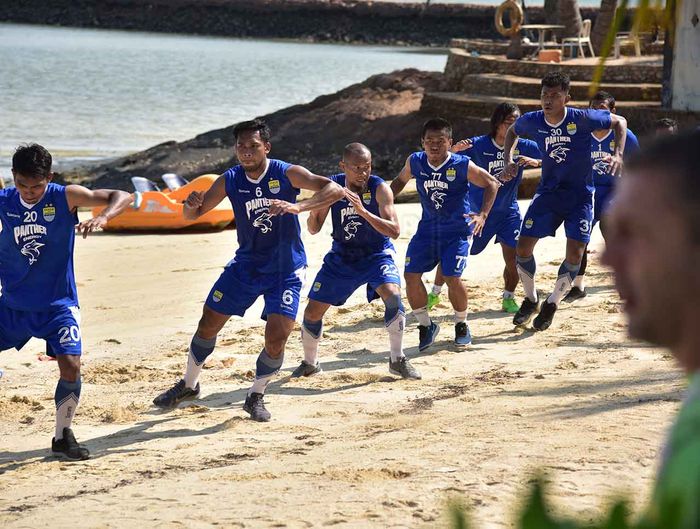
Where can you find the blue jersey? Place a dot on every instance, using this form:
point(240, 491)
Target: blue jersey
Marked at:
point(565, 147)
point(36, 251)
point(353, 236)
point(271, 244)
point(489, 156)
point(604, 147)
point(443, 192)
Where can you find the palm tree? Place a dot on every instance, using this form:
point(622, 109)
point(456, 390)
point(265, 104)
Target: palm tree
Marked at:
point(570, 18)
point(603, 22)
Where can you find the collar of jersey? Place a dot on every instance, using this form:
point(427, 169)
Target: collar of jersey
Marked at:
point(496, 144)
point(449, 155)
point(596, 138)
point(267, 166)
point(566, 113)
point(30, 206)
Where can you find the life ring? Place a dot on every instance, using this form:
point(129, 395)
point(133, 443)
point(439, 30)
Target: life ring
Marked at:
point(515, 13)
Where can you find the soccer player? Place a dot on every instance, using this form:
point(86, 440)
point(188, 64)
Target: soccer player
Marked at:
point(446, 226)
point(362, 253)
point(602, 148)
point(39, 297)
point(653, 261)
point(505, 219)
point(270, 260)
point(665, 127)
point(565, 193)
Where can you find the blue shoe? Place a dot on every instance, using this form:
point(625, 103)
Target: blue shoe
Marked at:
point(462, 335)
point(427, 335)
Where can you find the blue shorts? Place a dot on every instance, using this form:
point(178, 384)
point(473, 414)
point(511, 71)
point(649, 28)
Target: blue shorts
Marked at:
point(426, 251)
point(548, 210)
point(505, 225)
point(338, 279)
point(602, 198)
point(239, 285)
point(60, 327)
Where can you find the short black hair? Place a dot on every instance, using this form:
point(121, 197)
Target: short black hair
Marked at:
point(675, 156)
point(32, 160)
point(666, 123)
point(557, 79)
point(355, 148)
point(500, 113)
point(602, 95)
point(254, 125)
point(436, 124)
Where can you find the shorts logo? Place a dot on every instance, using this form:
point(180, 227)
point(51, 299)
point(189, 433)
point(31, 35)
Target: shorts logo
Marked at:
point(571, 128)
point(274, 186)
point(49, 213)
point(367, 197)
point(612, 145)
point(451, 174)
point(217, 296)
point(408, 260)
point(317, 286)
point(529, 223)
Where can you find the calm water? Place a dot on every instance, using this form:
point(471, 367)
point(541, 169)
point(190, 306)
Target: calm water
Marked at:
point(87, 94)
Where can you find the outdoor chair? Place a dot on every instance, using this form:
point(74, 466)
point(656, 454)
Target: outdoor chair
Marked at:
point(584, 37)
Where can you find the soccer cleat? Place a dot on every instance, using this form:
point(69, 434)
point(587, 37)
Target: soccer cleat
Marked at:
point(462, 335)
point(427, 335)
point(177, 393)
point(69, 447)
point(575, 293)
point(509, 305)
point(433, 299)
point(306, 370)
point(403, 368)
point(256, 407)
point(525, 312)
point(545, 317)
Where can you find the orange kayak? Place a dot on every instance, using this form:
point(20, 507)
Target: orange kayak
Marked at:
point(162, 210)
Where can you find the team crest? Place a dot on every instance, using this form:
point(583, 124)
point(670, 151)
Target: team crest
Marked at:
point(451, 174)
point(571, 129)
point(49, 213)
point(529, 223)
point(274, 186)
point(516, 152)
point(217, 295)
point(317, 286)
point(367, 197)
point(612, 145)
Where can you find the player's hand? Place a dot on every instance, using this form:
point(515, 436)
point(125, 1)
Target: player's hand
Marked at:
point(616, 163)
point(461, 145)
point(280, 207)
point(355, 200)
point(509, 172)
point(194, 200)
point(477, 222)
point(526, 161)
point(90, 225)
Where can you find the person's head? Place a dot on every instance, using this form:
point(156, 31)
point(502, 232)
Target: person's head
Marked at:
point(555, 93)
point(436, 139)
point(504, 115)
point(252, 143)
point(653, 244)
point(31, 170)
point(665, 127)
point(357, 165)
point(603, 100)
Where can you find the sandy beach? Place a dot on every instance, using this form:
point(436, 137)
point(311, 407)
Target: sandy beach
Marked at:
point(353, 447)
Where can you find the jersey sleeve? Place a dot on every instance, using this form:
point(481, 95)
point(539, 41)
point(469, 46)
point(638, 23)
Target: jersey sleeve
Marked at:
point(529, 148)
point(631, 144)
point(524, 125)
point(597, 119)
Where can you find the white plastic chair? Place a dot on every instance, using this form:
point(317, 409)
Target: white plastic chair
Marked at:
point(173, 181)
point(142, 184)
point(583, 38)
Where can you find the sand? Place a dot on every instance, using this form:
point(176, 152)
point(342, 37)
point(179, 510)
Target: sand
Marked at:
point(353, 447)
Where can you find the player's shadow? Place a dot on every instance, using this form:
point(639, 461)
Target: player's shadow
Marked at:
point(515, 334)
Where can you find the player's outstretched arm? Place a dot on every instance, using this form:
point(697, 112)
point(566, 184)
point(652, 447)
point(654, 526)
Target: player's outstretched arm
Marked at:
point(398, 183)
point(619, 125)
point(387, 223)
point(79, 196)
point(198, 203)
point(478, 176)
point(316, 219)
point(510, 170)
point(326, 192)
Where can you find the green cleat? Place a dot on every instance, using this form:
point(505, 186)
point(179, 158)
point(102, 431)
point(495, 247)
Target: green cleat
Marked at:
point(510, 305)
point(433, 299)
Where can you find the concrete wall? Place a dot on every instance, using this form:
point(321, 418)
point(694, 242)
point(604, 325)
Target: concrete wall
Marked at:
point(686, 60)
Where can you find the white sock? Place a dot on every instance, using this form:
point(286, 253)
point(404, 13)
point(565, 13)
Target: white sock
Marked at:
point(526, 273)
point(422, 316)
point(266, 368)
point(395, 329)
point(66, 398)
point(200, 349)
point(436, 289)
point(460, 316)
point(563, 284)
point(310, 344)
point(578, 282)
point(507, 294)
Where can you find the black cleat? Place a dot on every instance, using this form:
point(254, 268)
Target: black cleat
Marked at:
point(69, 447)
point(178, 393)
point(545, 317)
point(403, 368)
point(306, 370)
point(427, 335)
point(525, 312)
point(575, 293)
point(256, 407)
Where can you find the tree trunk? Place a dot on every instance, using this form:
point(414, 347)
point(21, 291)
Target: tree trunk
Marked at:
point(550, 12)
point(570, 18)
point(603, 21)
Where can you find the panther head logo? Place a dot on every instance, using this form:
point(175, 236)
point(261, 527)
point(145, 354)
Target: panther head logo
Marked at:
point(438, 198)
point(559, 154)
point(31, 250)
point(601, 167)
point(351, 229)
point(264, 222)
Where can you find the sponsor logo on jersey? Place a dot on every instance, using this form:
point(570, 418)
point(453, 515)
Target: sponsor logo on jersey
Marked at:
point(217, 296)
point(571, 128)
point(451, 174)
point(350, 229)
point(558, 154)
point(347, 213)
point(31, 250)
point(274, 186)
point(437, 198)
point(367, 197)
point(263, 222)
point(49, 212)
